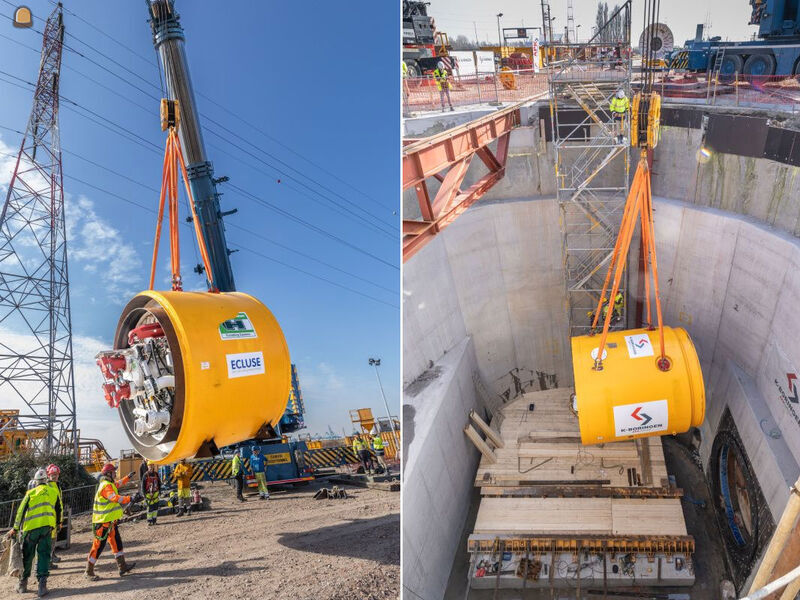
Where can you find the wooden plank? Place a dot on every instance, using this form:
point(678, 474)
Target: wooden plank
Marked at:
point(484, 448)
point(577, 516)
point(657, 516)
point(544, 516)
point(578, 489)
point(487, 431)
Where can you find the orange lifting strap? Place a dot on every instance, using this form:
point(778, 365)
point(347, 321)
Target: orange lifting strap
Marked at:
point(173, 157)
point(638, 205)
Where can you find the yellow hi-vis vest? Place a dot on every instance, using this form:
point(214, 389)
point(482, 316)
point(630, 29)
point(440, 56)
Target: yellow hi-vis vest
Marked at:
point(440, 75)
point(619, 105)
point(358, 444)
point(236, 465)
point(38, 509)
point(54, 485)
point(105, 510)
point(377, 442)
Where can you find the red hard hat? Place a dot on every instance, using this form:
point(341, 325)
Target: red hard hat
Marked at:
point(108, 468)
point(53, 470)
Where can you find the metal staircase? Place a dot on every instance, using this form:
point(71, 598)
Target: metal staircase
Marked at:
point(592, 167)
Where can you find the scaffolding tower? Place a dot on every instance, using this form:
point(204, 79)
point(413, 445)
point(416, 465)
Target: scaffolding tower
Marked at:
point(36, 373)
point(592, 160)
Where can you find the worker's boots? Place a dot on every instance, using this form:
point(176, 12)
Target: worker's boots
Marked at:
point(89, 572)
point(42, 587)
point(123, 566)
point(23, 585)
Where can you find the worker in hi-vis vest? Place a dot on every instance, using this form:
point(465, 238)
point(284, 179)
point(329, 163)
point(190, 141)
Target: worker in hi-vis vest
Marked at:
point(362, 452)
point(442, 78)
point(36, 518)
point(237, 470)
point(619, 106)
point(106, 514)
point(53, 472)
point(619, 306)
point(379, 449)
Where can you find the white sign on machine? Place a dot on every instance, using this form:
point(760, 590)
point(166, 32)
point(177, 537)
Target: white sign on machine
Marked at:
point(244, 364)
point(639, 345)
point(642, 417)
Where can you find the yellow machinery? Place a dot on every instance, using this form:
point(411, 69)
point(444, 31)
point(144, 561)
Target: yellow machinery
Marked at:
point(14, 437)
point(194, 371)
point(638, 382)
point(631, 396)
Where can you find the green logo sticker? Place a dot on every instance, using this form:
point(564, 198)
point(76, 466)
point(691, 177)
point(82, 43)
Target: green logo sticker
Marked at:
point(237, 328)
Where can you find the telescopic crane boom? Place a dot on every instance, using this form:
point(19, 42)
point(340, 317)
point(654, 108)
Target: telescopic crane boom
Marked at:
point(168, 39)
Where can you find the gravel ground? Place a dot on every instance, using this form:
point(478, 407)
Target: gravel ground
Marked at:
point(290, 546)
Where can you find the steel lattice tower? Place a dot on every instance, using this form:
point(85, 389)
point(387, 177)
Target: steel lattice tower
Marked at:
point(36, 372)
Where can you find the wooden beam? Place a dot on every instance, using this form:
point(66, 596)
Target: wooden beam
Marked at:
point(488, 431)
point(480, 444)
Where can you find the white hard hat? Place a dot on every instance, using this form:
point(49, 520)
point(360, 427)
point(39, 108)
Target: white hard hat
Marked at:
point(620, 93)
point(41, 475)
point(440, 65)
point(374, 430)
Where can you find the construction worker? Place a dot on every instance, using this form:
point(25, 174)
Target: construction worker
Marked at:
point(619, 306)
point(362, 452)
point(150, 488)
point(378, 448)
point(183, 475)
point(237, 470)
point(53, 472)
point(259, 468)
point(36, 518)
point(442, 78)
point(619, 106)
point(106, 514)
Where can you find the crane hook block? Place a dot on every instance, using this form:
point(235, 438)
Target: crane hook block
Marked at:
point(195, 369)
point(632, 396)
point(170, 113)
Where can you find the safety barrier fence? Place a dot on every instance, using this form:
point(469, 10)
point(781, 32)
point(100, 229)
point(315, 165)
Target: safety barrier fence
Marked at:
point(420, 94)
point(78, 500)
point(748, 91)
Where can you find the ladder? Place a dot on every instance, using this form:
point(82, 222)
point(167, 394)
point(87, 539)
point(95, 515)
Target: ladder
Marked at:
point(715, 69)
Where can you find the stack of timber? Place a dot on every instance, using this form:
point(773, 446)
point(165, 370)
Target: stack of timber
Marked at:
point(556, 513)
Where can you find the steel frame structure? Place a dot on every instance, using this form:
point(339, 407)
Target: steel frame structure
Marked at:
point(447, 158)
point(36, 370)
point(592, 167)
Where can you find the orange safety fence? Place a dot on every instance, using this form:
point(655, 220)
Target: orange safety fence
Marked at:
point(748, 91)
point(420, 94)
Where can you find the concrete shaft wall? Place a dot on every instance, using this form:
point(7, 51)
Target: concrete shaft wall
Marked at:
point(487, 295)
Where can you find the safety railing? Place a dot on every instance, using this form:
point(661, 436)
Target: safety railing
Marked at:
point(78, 499)
point(421, 94)
point(747, 91)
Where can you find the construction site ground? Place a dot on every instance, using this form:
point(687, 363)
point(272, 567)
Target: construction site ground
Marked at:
point(290, 546)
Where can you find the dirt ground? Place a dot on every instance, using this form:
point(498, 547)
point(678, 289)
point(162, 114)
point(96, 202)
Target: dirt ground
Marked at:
point(290, 546)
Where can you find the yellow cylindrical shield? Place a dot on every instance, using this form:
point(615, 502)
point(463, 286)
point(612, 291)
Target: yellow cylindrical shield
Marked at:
point(230, 364)
point(631, 396)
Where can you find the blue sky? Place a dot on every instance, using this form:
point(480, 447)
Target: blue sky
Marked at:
point(314, 81)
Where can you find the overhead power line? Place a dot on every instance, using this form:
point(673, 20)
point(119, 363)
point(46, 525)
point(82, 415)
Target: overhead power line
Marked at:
point(153, 148)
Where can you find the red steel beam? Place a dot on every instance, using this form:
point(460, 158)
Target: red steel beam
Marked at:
point(447, 157)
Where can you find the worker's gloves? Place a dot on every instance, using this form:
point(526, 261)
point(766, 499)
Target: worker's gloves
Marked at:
point(11, 534)
point(137, 497)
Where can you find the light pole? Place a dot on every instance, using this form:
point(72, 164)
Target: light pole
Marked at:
point(499, 39)
point(376, 362)
point(577, 37)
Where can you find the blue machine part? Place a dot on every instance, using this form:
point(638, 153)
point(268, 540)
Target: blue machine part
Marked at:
point(726, 496)
point(292, 419)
